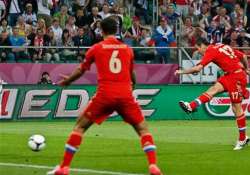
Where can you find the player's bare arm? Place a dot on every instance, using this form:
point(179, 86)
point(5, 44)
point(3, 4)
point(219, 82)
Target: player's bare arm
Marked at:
point(67, 80)
point(194, 69)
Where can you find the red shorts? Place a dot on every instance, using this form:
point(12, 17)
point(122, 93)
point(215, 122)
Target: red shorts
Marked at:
point(101, 106)
point(235, 84)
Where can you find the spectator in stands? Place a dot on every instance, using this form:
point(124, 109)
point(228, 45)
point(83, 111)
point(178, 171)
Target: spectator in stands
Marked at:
point(4, 41)
point(182, 7)
point(29, 16)
point(147, 55)
point(215, 33)
point(55, 7)
point(114, 9)
point(94, 15)
point(66, 41)
point(82, 39)
point(56, 29)
point(196, 5)
point(44, 8)
point(105, 11)
point(5, 27)
point(42, 25)
point(239, 20)
point(222, 20)
point(133, 34)
point(243, 36)
point(194, 18)
point(51, 54)
point(204, 17)
point(39, 40)
point(23, 27)
point(33, 3)
point(233, 39)
point(81, 18)
point(45, 79)
point(16, 40)
point(186, 33)
point(228, 5)
point(69, 4)
point(81, 4)
point(171, 15)
point(126, 18)
point(98, 3)
point(142, 10)
point(2, 10)
point(164, 37)
point(71, 27)
point(118, 19)
point(14, 9)
point(62, 15)
point(96, 29)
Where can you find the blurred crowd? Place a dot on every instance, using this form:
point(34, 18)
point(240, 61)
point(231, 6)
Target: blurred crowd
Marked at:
point(67, 23)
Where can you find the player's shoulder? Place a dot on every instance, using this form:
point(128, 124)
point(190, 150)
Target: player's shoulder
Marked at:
point(95, 46)
point(211, 48)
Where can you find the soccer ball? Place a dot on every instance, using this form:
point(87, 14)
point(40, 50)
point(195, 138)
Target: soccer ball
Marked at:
point(36, 142)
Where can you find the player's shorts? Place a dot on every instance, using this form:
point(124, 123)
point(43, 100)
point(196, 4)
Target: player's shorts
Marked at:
point(235, 84)
point(100, 107)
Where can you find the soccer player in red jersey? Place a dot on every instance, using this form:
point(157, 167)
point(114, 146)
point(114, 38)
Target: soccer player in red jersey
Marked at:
point(114, 62)
point(234, 81)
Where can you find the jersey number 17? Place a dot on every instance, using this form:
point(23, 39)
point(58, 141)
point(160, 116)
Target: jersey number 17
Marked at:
point(227, 50)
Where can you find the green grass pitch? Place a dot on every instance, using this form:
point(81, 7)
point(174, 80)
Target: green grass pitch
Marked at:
point(184, 148)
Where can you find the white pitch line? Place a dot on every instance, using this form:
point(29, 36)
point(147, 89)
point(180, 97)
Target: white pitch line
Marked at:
point(72, 169)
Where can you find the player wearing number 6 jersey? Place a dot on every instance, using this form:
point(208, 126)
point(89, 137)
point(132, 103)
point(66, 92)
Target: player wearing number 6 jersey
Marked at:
point(114, 62)
point(234, 81)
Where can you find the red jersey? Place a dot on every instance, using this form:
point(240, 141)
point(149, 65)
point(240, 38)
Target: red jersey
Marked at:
point(224, 56)
point(114, 62)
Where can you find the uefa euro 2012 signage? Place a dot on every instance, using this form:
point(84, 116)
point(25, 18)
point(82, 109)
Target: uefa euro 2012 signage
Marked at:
point(158, 102)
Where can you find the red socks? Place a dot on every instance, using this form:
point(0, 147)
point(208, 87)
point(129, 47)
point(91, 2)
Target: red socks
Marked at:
point(241, 122)
point(149, 148)
point(204, 98)
point(71, 147)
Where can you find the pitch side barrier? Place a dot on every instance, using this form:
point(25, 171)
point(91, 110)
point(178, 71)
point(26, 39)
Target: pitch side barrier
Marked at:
point(158, 102)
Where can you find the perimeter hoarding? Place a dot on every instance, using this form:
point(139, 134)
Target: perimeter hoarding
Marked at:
point(158, 102)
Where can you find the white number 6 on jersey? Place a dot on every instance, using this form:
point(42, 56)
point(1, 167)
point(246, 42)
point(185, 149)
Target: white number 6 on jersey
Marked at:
point(115, 64)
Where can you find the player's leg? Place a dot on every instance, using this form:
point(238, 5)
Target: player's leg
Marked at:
point(75, 139)
point(241, 123)
point(131, 113)
point(72, 145)
point(204, 98)
point(148, 146)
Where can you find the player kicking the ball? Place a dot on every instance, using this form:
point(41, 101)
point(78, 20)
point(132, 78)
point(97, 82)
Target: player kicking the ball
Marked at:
point(234, 81)
point(114, 62)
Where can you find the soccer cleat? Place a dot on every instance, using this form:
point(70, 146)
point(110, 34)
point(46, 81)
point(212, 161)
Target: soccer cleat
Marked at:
point(186, 107)
point(241, 144)
point(154, 170)
point(59, 171)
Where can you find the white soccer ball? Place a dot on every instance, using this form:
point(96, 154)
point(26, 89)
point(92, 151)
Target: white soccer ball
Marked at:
point(36, 142)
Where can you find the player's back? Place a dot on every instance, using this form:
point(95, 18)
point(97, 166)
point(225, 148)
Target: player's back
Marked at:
point(114, 62)
point(227, 58)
